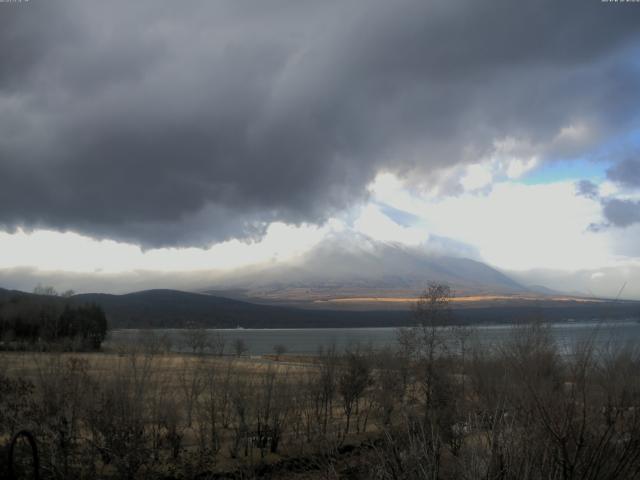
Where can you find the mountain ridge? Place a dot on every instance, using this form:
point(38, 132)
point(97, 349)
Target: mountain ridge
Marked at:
point(166, 308)
point(335, 268)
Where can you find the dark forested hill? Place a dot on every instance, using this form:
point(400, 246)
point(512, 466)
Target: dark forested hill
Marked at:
point(175, 309)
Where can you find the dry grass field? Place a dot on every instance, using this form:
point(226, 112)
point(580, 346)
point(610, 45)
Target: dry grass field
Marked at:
point(418, 411)
point(194, 412)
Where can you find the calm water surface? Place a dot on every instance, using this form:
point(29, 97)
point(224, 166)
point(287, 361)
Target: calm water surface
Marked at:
point(309, 340)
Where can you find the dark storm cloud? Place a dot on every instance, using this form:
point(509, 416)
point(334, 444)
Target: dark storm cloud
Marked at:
point(626, 172)
point(169, 123)
point(621, 213)
point(587, 188)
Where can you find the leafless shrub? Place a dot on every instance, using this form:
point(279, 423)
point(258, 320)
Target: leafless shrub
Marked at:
point(389, 384)
point(326, 387)
point(279, 350)
point(241, 417)
point(354, 378)
point(240, 347)
point(196, 339)
point(217, 343)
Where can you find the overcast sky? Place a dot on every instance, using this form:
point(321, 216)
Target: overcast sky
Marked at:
point(157, 136)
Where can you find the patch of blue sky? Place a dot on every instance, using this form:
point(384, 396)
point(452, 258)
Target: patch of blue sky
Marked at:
point(590, 167)
point(559, 171)
point(401, 217)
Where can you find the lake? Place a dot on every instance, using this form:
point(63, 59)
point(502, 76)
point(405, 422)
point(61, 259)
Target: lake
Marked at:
point(309, 340)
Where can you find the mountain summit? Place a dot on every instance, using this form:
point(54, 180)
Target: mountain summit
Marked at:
point(340, 269)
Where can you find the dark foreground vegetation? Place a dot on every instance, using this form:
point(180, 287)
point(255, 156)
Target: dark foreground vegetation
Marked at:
point(50, 320)
point(428, 409)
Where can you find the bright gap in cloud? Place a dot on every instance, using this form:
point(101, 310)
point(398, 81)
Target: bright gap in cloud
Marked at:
point(514, 225)
point(68, 251)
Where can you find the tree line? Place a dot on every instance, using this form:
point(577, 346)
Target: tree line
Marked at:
point(47, 319)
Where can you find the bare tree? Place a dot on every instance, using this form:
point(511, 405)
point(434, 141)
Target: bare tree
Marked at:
point(191, 384)
point(425, 341)
point(279, 350)
point(45, 290)
point(197, 339)
point(240, 347)
point(353, 379)
point(326, 386)
point(242, 414)
point(218, 343)
point(389, 385)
